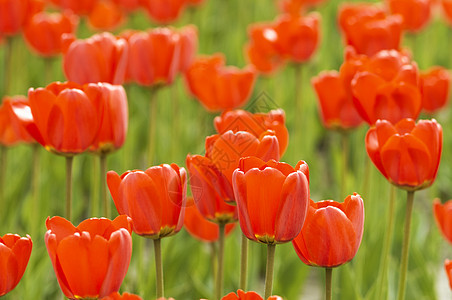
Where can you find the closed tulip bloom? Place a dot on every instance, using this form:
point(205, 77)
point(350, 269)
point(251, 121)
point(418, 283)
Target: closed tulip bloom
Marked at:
point(79, 7)
point(337, 109)
point(387, 87)
point(447, 10)
point(154, 199)
point(90, 260)
point(415, 13)
point(14, 255)
point(164, 11)
point(443, 217)
point(100, 58)
point(297, 7)
point(112, 104)
point(298, 37)
point(11, 130)
point(434, 85)
point(241, 295)
point(256, 124)
point(128, 5)
point(368, 29)
point(407, 154)
point(106, 15)
point(219, 87)
point(189, 46)
point(125, 296)
point(45, 30)
point(272, 199)
point(448, 268)
point(14, 14)
point(331, 233)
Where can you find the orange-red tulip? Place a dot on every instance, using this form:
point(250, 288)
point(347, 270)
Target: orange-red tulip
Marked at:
point(217, 86)
point(100, 58)
point(14, 14)
point(407, 154)
point(337, 109)
point(241, 295)
point(368, 29)
point(189, 46)
point(434, 85)
point(297, 7)
point(201, 228)
point(125, 296)
point(14, 254)
point(106, 15)
point(447, 9)
point(298, 37)
point(61, 117)
point(443, 217)
point(448, 268)
point(79, 7)
point(45, 30)
point(331, 233)
point(11, 130)
point(90, 260)
point(256, 124)
point(128, 5)
point(164, 11)
point(415, 13)
point(155, 199)
point(272, 199)
point(112, 103)
point(387, 87)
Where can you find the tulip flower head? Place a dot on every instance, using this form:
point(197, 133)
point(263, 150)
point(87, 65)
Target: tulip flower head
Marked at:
point(443, 217)
point(415, 13)
point(11, 130)
point(448, 268)
point(407, 154)
point(15, 252)
point(106, 15)
point(79, 7)
point(447, 10)
point(164, 11)
point(14, 14)
point(434, 85)
point(154, 199)
point(125, 296)
point(90, 260)
point(272, 199)
point(241, 295)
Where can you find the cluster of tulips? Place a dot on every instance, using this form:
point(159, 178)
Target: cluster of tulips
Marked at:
point(240, 177)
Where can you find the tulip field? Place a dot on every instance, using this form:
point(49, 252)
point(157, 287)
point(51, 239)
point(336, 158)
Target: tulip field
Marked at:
point(207, 135)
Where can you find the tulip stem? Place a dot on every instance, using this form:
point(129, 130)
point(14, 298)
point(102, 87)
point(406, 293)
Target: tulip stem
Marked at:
point(269, 270)
point(69, 160)
point(158, 267)
point(48, 64)
point(243, 263)
point(213, 260)
point(103, 184)
point(95, 188)
point(8, 66)
point(345, 142)
point(175, 103)
point(3, 162)
point(152, 124)
point(405, 246)
point(387, 244)
point(328, 285)
point(35, 186)
point(220, 264)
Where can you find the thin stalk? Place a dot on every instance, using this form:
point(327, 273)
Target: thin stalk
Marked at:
point(213, 260)
point(366, 181)
point(95, 190)
point(152, 124)
point(269, 270)
point(3, 162)
point(387, 244)
point(7, 75)
point(48, 65)
point(405, 245)
point(175, 103)
point(220, 264)
point(103, 183)
point(35, 186)
point(158, 267)
point(69, 160)
point(345, 149)
point(243, 263)
point(328, 285)
point(298, 98)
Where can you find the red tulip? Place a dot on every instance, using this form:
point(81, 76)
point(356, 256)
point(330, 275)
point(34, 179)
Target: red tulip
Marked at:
point(11, 130)
point(368, 29)
point(447, 9)
point(164, 11)
point(189, 46)
point(90, 260)
point(100, 58)
point(298, 37)
point(106, 15)
point(407, 154)
point(415, 13)
point(241, 295)
point(297, 7)
point(201, 228)
point(128, 5)
point(387, 88)
point(272, 199)
point(448, 268)
point(256, 124)
point(112, 103)
point(14, 255)
point(44, 31)
point(14, 14)
point(155, 199)
point(434, 85)
point(443, 217)
point(331, 233)
point(79, 7)
point(125, 296)
point(218, 87)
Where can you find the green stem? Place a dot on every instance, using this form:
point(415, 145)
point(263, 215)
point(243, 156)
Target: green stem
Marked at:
point(35, 186)
point(243, 263)
point(366, 181)
point(213, 260)
point(220, 264)
point(269, 270)
point(405, 246)
point(3, 163)
point(95, 190)
point(69, 160)
point(152, 124)
point(7, 75)
point(386, 245)
point(175, 103)
point(298, 98)
point(48, 65)
point(103, 184)
point(345, 143)
point(158, 267)
point(328, 280)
